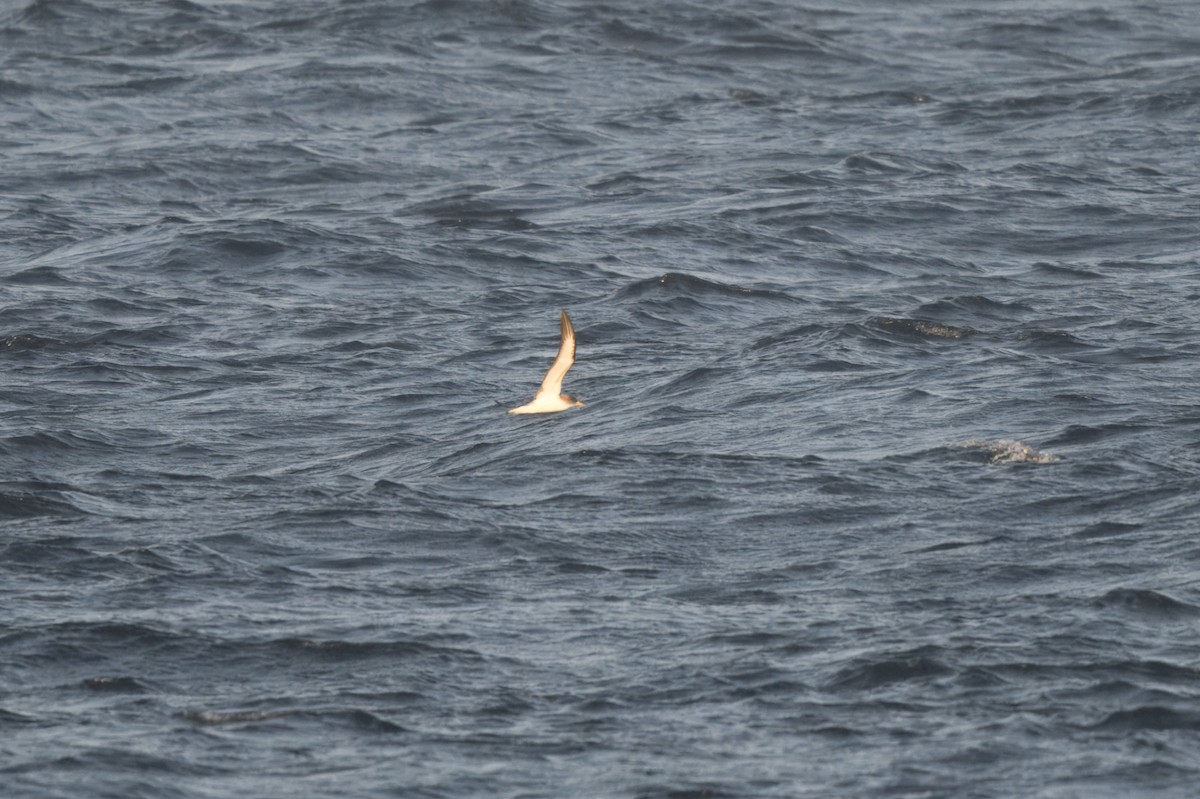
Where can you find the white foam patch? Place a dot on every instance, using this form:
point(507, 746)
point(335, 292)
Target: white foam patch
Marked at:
point(1008, 451)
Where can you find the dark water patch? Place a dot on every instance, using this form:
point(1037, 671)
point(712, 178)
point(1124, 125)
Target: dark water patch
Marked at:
point(624, 184)
point(746, 639)
point(1107, 529)
point(1149, 718)
point(576, 567)
point(876, 99)
point(1066, 271)
point(87, 642)
point(113, 307)
point(1169, 103)
point(117, 685)
point(1078, 434)
point(89, 762)
point(145, 85)
point(979, 678)
point(765, 687)
point(628, 33)
point(444, 594)
point(723, 596)
point(27, 505)
point(677, 284)
point(867, 674)
point(693, 380)
point(22, 342)
point(1147, 604)
point(251, 243)
point(1109, 675)
point(40, 12)
point(356, 650)
point(352, 720)
point(802, 339)
point(895, 163)
point(975, 306)
point(348, 720)
point(889, 264)
point(1123, 356)
point(747, 96)
point(38, 276)
point(15, 720)
point(1054, 342)
point(12, 88)
point(59, 441)
point(502, 221)
point(816, 234)
point(688, 789)
point(154, 335)
point(948, 546)
point(750, 35)
point(922, 328)
point(697, 465)
point(249, 247)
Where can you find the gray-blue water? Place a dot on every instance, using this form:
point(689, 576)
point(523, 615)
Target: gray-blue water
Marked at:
point(888, 482)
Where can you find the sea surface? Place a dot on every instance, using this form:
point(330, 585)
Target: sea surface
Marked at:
point(888, 317)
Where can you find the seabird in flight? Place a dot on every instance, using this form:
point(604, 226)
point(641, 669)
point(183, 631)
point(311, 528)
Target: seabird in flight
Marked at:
point(549, 398)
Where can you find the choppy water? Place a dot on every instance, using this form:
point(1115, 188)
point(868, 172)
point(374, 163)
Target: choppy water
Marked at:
point(889, 479)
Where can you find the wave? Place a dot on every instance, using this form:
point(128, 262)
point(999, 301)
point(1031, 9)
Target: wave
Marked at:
point(1148, 603)
point(923, 328)
point(867, 674)
point(679, 284)
point(26, 505)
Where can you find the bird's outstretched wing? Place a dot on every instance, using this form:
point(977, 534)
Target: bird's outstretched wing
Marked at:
point(552, 385)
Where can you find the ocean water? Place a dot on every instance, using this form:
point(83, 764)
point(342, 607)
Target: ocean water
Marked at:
point(888, 318)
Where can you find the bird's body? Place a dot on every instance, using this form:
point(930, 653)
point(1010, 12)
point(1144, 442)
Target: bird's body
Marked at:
point(549, 397)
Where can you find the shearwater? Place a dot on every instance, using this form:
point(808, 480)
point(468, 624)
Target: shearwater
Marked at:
point(549, 397)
